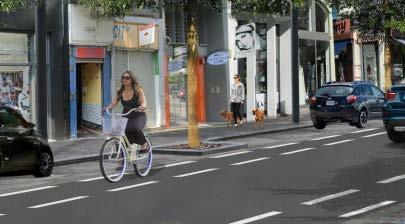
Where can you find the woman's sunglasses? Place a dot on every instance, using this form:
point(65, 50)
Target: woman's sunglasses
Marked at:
point(125, 78)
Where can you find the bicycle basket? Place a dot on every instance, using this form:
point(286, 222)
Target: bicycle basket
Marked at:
point(114, 125)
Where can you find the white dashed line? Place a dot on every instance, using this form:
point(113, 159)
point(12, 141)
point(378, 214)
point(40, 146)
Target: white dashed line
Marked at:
point(263, 216)
point(198, 172)
point(366, 209)
point(250, 161)
point(361, 131)
point(132, 186)
point(390, 180)
point(26, 191)
point(99, 178)
point(326, 137)
point(178, 164)
point(339, 142)
point(2, 214)
point(329, 197)
point(59, 202)
point(376, 134)
point(278, 146)
point(297, 151)
point(230, 154)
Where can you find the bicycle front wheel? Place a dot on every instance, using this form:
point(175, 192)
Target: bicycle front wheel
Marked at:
point(113, 160)
point(143, 162)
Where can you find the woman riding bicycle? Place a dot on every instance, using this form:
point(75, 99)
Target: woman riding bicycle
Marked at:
point(131, 95)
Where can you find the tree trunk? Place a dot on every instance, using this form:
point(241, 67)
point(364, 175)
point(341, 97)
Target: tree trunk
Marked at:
point(192, 51)
point(388, 61)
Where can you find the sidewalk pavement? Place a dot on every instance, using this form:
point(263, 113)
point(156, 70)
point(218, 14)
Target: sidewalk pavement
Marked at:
point(87, 149)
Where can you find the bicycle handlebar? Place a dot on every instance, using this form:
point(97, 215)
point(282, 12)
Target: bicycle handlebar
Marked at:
point(134, 109)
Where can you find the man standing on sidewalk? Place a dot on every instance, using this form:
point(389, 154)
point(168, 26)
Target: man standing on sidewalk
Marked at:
point(237, 99)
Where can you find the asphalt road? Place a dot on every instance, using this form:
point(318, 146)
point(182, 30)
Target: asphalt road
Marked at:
point(304, 176)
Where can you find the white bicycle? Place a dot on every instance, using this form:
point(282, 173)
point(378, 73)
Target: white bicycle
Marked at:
point(116, 151)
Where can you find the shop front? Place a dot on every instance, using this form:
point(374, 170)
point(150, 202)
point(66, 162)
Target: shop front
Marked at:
point(343, 37)
point(372, 58)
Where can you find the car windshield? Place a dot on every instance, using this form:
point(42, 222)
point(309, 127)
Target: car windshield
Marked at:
point(334, 91)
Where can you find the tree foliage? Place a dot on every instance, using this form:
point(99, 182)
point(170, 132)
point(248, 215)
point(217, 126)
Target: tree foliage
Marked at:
point(13, 5)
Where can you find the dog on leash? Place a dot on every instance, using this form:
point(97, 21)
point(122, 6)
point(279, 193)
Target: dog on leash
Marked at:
point(228, 117)
point(259, 116)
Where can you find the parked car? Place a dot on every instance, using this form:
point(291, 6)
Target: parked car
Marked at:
point(21, 148)
point(353, 102)
point(394, 113)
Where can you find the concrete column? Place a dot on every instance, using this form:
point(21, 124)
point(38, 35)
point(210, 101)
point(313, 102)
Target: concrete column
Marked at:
point(357, 58)
point(380, 60)
point(286, 69)
point(251, 86)
point(272, 99)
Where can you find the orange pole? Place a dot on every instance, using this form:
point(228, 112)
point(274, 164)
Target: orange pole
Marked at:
point(167, 93)
point(201, 112)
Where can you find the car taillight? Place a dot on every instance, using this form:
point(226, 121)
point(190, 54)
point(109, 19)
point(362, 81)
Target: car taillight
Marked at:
point(351, 99)
point(313, 100)
point(390, 95)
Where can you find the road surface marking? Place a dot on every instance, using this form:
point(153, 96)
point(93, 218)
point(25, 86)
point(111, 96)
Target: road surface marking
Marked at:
point(59, 202)
point(339, 142)
point(393, 179)
point(178, 164)
point(250, 161)
point(255, 218)
point(198, 172)
point(361, 131)
point(297, 151)
point(2, 214)
point(132, 186)
point(380, 133)
point(326, 137)
point(26, 191)
point(329, 197)
point(230, 154)
point(278, 146)
point(99, 178)
point(366, 209)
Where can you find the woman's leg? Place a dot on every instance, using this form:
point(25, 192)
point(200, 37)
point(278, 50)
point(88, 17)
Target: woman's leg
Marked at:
point(237, 109)
point(233, 109)
point(134, 130)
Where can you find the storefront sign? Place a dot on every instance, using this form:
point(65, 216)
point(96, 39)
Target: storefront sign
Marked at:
point(245, 40)
point(175, 66)
point(218, 58)
point(341, 26)
point(126, 35)
point(147, 34)
point(90, 52)
point(369, 38)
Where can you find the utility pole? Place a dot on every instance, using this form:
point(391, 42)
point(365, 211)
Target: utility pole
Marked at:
point(294, 64)
point(40, 59)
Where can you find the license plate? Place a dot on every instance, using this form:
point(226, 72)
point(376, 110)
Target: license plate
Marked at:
point(330, 103)
point(399, 128)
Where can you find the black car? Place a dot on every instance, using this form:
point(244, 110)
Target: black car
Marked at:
point(352, 102)
point(394, 113)
point(21, 148)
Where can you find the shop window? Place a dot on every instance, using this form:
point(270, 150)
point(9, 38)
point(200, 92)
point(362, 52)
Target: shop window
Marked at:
point(321, 18)
point(304, 18)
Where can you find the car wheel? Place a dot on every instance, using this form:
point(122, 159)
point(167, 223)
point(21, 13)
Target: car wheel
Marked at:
point(363, 117)
point(45, 165)
point(396, 136)
point(319, 124)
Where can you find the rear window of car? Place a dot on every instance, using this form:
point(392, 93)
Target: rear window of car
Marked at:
point(334, 91)
point(398, 88)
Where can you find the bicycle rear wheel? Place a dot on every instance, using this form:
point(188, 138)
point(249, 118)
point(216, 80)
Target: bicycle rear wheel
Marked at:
point(113, 160)
point(143, 162)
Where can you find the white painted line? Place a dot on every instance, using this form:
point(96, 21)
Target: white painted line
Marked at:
point(26, 191)
point(326, 137)
point(329, 197)
point(99, 178)
point(255, 218)
point(339, 142)
point(2, 214)
point(297, 151)
point(230, 154)
point(178, 164)
point(278, 146)
point(361, 131)
point(380, 133)
point(250, 161)
point(132, 186)
point(198, 172)
point(390, 180)
point(59, 202)
point(366, 209)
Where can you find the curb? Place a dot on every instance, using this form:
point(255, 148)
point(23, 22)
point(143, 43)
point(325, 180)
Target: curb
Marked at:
point(229, 146)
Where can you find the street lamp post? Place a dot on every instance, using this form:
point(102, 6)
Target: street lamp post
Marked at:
point(294, 65)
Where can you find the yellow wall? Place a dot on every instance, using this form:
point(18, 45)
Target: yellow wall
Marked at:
point(91, 84)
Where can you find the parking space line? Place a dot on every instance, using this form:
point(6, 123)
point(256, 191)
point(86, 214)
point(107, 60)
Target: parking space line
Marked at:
point(339, 142)
point(361, 131)
point(282, 145)
point(322, 138)
point(132, 186)
point(178, 164)
point(380, 133)
point(249, 161)
point(198, 172)
point(26, 191)
point(366, 209)
point(230, 154)
point(255, 218)
point(392, 179)
point(297, 151)
point(329, 197)
point(59, 202)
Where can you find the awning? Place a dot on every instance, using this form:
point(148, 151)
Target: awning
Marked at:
point(400, 41)
point(340, 45)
